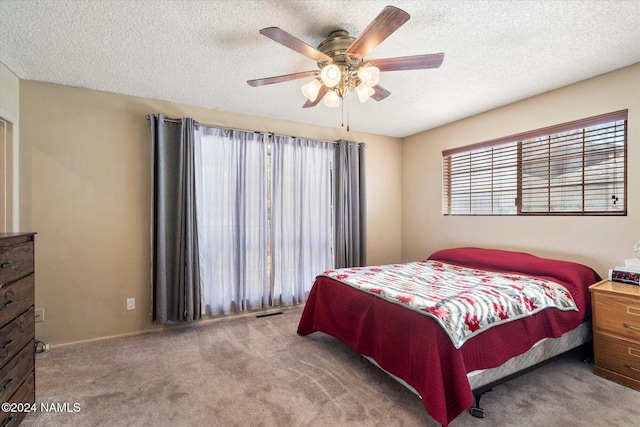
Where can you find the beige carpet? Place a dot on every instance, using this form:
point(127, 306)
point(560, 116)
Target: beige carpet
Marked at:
point(259, 372)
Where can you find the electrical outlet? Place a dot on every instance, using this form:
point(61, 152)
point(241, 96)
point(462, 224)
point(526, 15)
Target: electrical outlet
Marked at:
point(131, 303)
point(39, 314)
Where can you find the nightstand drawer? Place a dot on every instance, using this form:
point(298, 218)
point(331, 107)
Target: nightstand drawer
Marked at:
point(617, 314)
point(617, 355)
point(16, 261)
point(16, 298)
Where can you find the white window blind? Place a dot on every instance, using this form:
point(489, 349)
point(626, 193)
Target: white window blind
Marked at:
point(576, 168)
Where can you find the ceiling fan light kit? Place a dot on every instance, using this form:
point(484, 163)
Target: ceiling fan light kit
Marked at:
point(331, 99)
point(341, 60)
point(311, 89)
point(364, 92)
point(331, 75)
point(369, 75)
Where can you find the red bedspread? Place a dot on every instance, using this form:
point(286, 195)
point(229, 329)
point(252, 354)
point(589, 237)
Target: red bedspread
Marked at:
point(415, 348)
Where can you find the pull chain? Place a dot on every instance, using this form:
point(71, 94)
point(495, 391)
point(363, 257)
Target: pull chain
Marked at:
point(342, 118)
point(342, 124)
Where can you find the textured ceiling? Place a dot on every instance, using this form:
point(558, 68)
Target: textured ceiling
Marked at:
point(203, 52)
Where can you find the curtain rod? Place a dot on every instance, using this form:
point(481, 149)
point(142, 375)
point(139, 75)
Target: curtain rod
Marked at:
point(167, 119)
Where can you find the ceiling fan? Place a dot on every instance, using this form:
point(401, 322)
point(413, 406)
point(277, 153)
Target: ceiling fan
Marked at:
point(342, 63)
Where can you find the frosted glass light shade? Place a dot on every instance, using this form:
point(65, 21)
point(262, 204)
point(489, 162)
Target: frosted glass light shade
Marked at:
point(364, 92)
point(330, 75)
point(370, 75)
point(331, 99)
point(311, 89)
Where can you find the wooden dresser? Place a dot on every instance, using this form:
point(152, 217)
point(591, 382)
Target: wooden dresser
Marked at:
point(616, 332)
point(17, 323)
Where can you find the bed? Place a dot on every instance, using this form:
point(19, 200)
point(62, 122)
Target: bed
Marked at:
point(403, 331)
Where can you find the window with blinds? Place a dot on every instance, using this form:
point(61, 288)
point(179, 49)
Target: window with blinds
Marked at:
point(576, 168)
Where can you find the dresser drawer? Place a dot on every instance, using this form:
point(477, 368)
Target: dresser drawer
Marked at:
point(16, 371)
point(25, 394)
point(16, 298)
point(16, 335)
point(16, 261)
point(617, 314)
point(617, 355)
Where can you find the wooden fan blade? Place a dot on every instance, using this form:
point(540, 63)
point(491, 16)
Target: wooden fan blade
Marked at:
point(321, 93)
point(417, 62)
point(380, 93)
point(278, 35)
point(390, 19)
point(283, 78)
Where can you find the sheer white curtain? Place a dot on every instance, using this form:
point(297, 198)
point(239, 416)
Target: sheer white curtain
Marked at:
point(301, 225)
point(231, 183)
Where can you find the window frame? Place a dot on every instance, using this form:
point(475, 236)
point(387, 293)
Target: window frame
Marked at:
point(517, 139)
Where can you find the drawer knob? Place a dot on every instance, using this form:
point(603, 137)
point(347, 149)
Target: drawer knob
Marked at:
point(6, 345)
point(6, 264)
point(626, 325)
point(7, 384)
point(626, 365)
point(7, 423)
point(6, 305)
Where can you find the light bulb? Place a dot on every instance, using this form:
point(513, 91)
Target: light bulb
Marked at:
point(311, 89)
point(364, 92)
point(330, 75)
point(331, 99)
point(370, 75)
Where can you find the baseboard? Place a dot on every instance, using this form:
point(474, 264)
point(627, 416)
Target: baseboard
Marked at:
point(163, 328)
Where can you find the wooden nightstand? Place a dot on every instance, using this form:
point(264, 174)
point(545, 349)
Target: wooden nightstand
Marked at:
point(616, 332)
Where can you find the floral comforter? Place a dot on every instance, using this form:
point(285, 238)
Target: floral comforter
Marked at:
point(464, 301)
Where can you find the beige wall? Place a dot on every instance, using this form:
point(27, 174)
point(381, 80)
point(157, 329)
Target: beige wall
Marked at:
point(91, 184)
point(600, 242)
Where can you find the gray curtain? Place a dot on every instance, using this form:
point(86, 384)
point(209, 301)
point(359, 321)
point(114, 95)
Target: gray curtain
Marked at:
point(175, 268)
point(349, 204)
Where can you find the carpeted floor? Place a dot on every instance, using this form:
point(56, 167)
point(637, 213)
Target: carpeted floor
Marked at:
point(259, 372)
